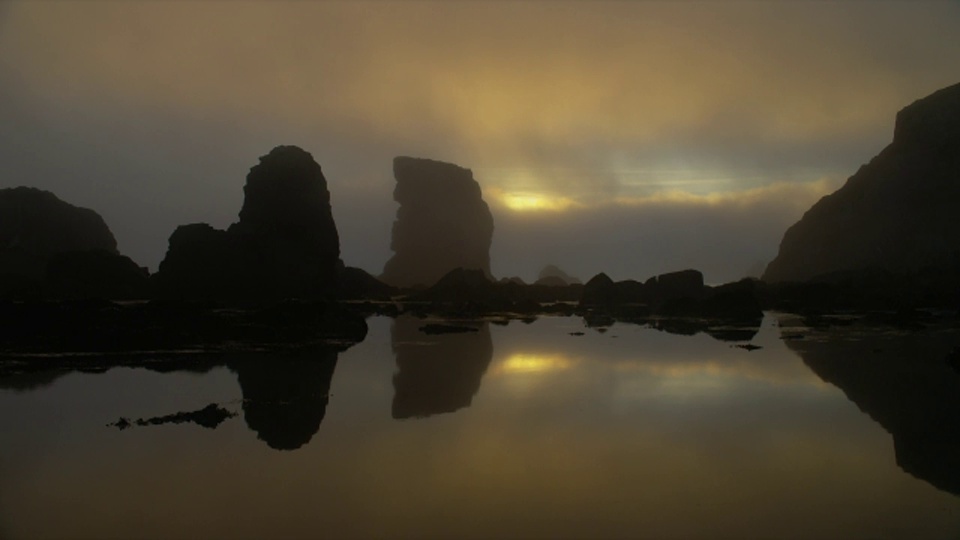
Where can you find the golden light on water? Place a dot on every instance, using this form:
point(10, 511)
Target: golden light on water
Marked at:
point(534, 363)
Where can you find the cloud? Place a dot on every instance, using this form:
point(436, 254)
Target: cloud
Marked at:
point(724, 235)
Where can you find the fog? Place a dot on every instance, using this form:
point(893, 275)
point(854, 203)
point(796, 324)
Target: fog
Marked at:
point(629, 137)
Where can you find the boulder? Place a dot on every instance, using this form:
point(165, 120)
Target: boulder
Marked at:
point(95, 274)
point(896, 214)
point(358, 284)
point(599, 291)
point(443, 223)
point(685, 284)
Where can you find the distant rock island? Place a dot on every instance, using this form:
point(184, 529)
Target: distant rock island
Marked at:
point(897, 214)
point(442, 224)
point(285, 244)
point(553, 276)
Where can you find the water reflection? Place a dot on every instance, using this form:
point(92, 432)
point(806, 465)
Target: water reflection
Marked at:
point(436, 373)
point(902, 381)
point(285, 397)
point(626, 434)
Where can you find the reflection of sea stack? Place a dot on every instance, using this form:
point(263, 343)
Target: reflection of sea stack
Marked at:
point(68, 251)
point(442, 223)
point(436, 373)
point(285, 398)
point(897, 213)
point(905, 384)
point(285, 244)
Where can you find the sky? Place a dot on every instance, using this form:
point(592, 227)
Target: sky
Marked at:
point(631, 137)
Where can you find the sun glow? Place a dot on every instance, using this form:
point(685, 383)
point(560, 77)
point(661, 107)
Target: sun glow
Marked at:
point(526, 202)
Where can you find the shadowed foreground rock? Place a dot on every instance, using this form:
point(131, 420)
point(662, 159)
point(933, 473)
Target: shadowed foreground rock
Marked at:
point(442, 223)
point(897, 215)
point(285, 244)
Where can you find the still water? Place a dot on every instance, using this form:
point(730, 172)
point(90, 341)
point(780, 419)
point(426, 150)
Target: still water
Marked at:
point(515, 431)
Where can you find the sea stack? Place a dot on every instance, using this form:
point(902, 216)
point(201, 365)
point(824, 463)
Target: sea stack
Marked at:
point(285, 244)
point(897, 214)
point(443, 223)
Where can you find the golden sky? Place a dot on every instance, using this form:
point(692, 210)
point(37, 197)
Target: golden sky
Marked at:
point(558, 107)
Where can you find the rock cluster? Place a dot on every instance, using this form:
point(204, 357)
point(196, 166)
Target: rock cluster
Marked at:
point(284, 245)
point(897, 214)
point(443, 223)
point(679, 294)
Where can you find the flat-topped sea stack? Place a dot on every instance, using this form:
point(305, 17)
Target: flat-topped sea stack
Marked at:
point(898, 214)
point(285, 244)
point(443, 223)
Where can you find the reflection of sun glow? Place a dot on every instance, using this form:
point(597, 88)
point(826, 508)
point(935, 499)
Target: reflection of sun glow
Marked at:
point(533, 363)
point(522, 202)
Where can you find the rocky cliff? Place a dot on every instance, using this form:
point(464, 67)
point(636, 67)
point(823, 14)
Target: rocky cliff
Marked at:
point(442, 223)
point(285, 244)
point(897, 214)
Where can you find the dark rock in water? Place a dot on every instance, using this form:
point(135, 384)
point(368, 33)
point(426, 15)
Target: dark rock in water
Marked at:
point(284, 246)
point(439, 373)
point(897, 214)
point(738, 300)
point(685, 284)
point(35, 227)
point(462, 285)
point(209, 417)
point(78, 275)
point(551, 272)
point(357, 284)
point(671, 289)
point(599, 291)
point(442, 223)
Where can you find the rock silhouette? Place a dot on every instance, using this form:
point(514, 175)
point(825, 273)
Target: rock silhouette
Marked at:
point(438, 373)
point(442, 223)
point(79, 275)
point(54, 250)
point(285, 244)
point(903, 382)
point(897, 214)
